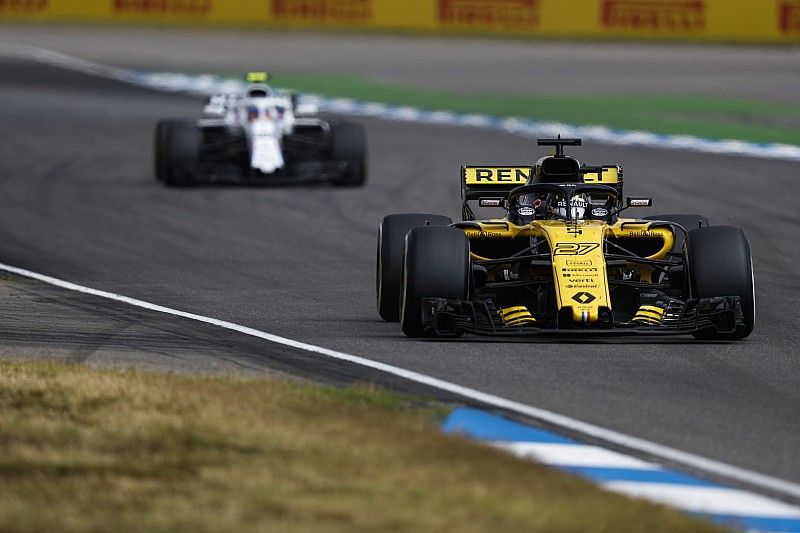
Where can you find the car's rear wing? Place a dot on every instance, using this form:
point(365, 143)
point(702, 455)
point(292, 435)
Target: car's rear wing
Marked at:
point(497, 181)
point(490, 185)
point(602, 174)
point(492, 182)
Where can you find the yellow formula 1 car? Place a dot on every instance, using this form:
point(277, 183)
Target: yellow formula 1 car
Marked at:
point(562, 260)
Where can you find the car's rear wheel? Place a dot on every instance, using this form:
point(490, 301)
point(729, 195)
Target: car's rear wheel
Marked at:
point(391, 240)
point(349, 146)
point(159, 140)
point(685, 220)
point(720, 264)
point(177, 152)
point(436, 264)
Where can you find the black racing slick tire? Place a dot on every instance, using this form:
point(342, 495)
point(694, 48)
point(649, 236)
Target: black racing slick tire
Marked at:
point(159, 141)
point(720, 264)
point(177, 152)
point(391, 241)
point(687, 221)
point(436, 264)
point(349, 146)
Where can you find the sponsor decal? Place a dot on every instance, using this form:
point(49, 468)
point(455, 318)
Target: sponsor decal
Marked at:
point(498, 14)
point(575, 202)
point(496, 175)
point(611, 174)
point(599, 212)
point(482, 234)
point(23, 5)
point(643, 233)
point(197, 8)
point(579, 262)
point(666, 16)
point(640, 202)
point(789, 17)
point(526, 211)
point(320, 11)
point(575, 248)
point(490, 202)
point(584, 298)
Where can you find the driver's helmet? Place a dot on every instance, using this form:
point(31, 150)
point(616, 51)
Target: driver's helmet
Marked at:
point(579, 205)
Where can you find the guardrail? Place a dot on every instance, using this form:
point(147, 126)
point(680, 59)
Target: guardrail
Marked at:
point(751, 21)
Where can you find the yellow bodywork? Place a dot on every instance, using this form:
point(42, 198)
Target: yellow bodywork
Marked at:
point(517, 315)
point(611, 176)
point(649, 314)
point(579, 268)
point(577, 255)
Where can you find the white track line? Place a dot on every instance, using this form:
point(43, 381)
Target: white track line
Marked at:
point(649, 448)
point(708, 500)
point(57, 59)
point(573, 455)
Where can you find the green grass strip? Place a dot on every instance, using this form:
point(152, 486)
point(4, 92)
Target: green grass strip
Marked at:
point(83, 449)
point(702, 116)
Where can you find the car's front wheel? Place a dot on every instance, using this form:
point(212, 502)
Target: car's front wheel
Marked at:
point(349, 146)
point(159, 143)
point(391, 241)
point(436, 264)
point(177, 152)
point(720, 264)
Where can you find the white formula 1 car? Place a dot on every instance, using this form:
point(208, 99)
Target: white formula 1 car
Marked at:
point(261, 136)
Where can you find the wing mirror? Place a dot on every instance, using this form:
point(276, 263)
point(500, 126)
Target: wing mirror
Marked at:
point(638, 201)
point(634, 201)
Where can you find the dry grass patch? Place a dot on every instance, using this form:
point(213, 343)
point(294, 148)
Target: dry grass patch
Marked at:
point(86, 449)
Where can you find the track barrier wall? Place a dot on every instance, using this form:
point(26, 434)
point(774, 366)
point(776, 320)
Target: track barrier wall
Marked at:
point(746, 21)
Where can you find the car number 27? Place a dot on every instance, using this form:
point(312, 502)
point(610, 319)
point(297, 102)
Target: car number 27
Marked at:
point(575, 248)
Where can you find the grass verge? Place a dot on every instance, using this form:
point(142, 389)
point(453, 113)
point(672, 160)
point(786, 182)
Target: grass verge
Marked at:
point(86, 449)
point(702, 116)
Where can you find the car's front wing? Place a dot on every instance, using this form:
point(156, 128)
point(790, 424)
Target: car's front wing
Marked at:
point(449, 317)
point(302, 173)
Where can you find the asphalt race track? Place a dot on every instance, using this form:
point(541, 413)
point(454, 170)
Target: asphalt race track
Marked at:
point(78, 202)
